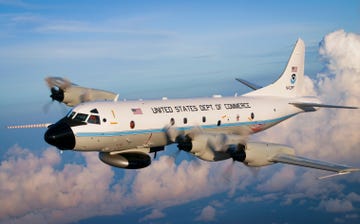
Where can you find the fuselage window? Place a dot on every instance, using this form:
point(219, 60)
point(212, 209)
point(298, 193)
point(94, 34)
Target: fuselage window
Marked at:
point(132, 124)
point(172, 121)
point(104, 120)
point(203, 119)
point(185, 120)
point(252, 116)
point(219, 123)
point(80, 117)
point(94, 119)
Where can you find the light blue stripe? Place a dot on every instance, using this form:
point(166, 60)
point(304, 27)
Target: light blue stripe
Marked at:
point(148, 131)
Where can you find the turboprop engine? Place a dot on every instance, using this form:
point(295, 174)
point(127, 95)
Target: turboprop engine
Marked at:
point(257, 153)
point(63, 91)
point(220, 147)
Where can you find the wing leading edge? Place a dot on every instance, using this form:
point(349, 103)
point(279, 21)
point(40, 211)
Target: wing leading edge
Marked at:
point(316, 164)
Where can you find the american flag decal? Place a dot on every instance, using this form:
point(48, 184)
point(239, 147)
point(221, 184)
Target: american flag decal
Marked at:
point(294, 69)
point(136, 111)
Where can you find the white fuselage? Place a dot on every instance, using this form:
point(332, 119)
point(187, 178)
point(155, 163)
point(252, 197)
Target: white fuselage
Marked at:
point(142, 124)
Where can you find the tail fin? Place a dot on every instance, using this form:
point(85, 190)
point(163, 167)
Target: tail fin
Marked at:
point(290, 82)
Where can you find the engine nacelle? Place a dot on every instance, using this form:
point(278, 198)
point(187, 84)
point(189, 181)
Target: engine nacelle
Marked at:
point(77, 94)
point(215, 147)
point(128, 160)
point(258, 154)
point(201, 147)
point(63, 91)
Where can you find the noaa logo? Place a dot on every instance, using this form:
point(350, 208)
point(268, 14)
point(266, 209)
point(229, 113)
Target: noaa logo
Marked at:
point(293, 79)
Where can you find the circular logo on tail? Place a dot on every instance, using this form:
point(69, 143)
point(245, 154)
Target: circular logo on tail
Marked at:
point(293, 79)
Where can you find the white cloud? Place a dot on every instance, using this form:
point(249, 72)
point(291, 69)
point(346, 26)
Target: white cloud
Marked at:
point(169, 184)
point(252, 198)
point(279, 180)
point(155, 214)
point(330, 134)
point(207, 214)
point(336, 205)
point(34, 189)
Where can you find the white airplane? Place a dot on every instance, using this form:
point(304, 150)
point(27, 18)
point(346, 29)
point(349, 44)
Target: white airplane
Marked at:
point(212, 129)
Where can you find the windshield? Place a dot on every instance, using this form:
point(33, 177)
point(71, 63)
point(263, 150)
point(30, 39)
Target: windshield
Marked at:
point(92, 118)
point(71, 114)
point(80, 117)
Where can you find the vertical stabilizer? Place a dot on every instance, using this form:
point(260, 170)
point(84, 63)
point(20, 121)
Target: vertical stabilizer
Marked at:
point(290, 82)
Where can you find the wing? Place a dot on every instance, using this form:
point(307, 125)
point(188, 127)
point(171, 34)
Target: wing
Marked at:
point(216, 146)
point(316, 164)
point(63, 91)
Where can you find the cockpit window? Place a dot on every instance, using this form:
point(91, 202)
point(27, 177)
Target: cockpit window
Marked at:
point(94, 119)
point(81, 117)
point(71, 115)
point(95, 111)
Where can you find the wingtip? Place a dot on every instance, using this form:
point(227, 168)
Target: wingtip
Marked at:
point(341, 172)
point(300, 42)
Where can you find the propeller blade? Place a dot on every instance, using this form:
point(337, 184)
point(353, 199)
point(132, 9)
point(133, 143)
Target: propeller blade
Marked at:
point(86, 96)
point(46, 107)
point(228, 172)
point(59, 82)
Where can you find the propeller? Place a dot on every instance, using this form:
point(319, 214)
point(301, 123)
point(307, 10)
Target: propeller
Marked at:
point(61, 83)
point(184, 141)
point(57, 86)
point(229, 171)
point(57, 94)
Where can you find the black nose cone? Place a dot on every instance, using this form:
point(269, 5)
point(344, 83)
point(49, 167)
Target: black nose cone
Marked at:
point(60, 135)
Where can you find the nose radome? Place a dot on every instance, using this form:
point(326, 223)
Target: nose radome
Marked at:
point(60, 135)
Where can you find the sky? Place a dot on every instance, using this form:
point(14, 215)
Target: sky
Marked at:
point(152, 49)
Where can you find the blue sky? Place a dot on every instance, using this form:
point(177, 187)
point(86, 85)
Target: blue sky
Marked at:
point(151, 49)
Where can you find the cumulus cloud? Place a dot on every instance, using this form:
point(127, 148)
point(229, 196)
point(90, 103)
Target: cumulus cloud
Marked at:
point(279, 181)
point(34, 189)
point(257, 198)
point(336, 205)
point(186, 180)
point(328, 134)
point(207, 214)
point(155, 214)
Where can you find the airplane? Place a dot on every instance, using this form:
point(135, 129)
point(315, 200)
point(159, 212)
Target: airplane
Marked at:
point(213, 129)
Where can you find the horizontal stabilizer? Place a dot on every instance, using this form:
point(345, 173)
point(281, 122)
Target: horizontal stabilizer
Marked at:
point(316, 164)
point(249, 84)
point(311, 106)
